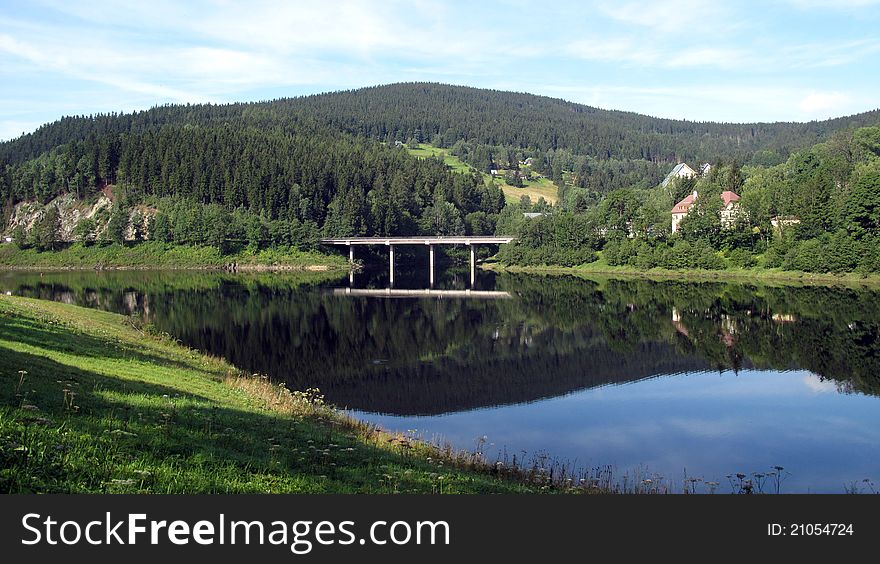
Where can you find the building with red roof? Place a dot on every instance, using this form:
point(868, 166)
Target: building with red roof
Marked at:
point(729, 212)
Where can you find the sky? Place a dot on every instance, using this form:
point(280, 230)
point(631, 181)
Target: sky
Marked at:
point(704, 60)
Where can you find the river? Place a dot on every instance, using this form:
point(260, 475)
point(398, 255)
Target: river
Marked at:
point(677, 383)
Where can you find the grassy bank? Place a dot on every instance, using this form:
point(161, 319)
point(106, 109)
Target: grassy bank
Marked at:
point(155, 255)
point(91, 402)
point(600, 267)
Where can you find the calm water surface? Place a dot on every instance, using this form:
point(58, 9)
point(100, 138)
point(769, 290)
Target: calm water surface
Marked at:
point(654, 379)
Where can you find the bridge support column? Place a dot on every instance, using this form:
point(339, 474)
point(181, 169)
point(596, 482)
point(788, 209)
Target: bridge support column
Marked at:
point(431, 264)
point(391, 264)
point(351, 254)
point(473, 264)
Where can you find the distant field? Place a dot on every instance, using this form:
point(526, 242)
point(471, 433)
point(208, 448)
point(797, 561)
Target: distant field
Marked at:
point(543, 187)
point(534, 189)
point(424, 151)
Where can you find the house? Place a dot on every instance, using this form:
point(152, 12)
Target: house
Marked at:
point(529, 161)
point(780, 222)
point(729, 212)
point(705, 168)
point(681, 170)
point(680, 210)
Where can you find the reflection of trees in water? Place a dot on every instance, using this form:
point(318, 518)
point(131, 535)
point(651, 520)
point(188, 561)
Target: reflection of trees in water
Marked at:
point(557, 335)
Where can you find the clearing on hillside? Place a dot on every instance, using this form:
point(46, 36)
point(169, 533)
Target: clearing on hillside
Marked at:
point(541, 187)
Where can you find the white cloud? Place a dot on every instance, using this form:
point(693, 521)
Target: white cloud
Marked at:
point(824, 102)
point(819, 386)
point(212, 50)
point(709, 57)
point(728, 102)
point(619, 50)
point(660, 57)
point(680, 17)
point(833, 4)
point(656, 54)
point(90, 62)
point(10, 129)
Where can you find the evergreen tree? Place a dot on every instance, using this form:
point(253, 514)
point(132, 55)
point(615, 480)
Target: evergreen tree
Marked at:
point(84, 231)
point(160, 228)
point(118, 224)
point(46, 233)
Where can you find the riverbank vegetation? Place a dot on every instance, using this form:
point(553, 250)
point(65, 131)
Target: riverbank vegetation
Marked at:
point(158, 255)
point(95, 402)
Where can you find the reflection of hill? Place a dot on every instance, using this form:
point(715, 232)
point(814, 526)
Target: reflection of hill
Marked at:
point(555, 335)
point(446, 386)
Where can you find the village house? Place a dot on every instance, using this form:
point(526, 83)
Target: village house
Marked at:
point(729, 212)
point(682, 170)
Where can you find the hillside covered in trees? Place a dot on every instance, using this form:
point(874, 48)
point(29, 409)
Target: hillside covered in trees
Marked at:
point(288, 171)
point(819, 211)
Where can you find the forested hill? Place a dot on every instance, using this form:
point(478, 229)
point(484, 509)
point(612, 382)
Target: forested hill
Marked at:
point(426, 111)
point(443, 114)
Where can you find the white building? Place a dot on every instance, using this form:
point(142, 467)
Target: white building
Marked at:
point(729, 212)
point(681, 170)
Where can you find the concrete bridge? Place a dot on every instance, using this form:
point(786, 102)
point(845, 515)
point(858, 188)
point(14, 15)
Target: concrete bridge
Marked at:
point(430, 242)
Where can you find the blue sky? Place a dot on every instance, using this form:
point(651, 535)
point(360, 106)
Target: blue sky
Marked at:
point(692, 59)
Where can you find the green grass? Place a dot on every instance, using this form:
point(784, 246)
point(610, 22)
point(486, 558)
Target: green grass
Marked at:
point(424, 151)
point(541, 187)
point(90, 402)
point(601, 267)
point(155, 255)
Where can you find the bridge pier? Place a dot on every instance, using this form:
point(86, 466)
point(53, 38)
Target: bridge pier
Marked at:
point(431, 264)
point(391, 263)
point(350, 253)
point(473, 264)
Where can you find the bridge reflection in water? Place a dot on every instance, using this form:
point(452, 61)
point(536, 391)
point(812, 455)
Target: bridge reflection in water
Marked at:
point(419, 293)
point(470, 241)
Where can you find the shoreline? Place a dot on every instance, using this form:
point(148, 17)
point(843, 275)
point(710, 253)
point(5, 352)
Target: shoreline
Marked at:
point(180, 268)
point(150, 255)
point(806, 278)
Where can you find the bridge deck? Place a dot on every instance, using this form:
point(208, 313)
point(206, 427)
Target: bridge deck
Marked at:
point(462, 240)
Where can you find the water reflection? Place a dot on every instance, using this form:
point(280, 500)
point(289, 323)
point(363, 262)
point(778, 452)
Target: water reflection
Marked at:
point(713, 376)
